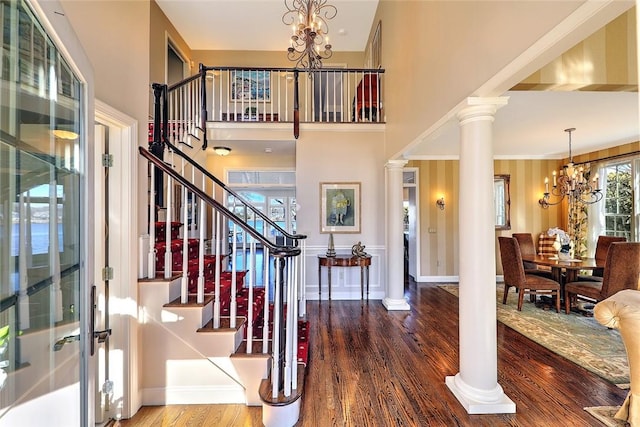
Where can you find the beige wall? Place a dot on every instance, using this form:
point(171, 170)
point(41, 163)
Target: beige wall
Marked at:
point(417, 37)
point(159, 32)
point(231, 58)
point(115, 35)
point(331, 156)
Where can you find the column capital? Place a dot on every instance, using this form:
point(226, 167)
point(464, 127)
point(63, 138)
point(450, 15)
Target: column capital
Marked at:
point(480, 108)
point(395, 164)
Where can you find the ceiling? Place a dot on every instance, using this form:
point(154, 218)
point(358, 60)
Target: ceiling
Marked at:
point(531, 125)
point(206, 24)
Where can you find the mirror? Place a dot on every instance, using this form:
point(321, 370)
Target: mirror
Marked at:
point(502, 201)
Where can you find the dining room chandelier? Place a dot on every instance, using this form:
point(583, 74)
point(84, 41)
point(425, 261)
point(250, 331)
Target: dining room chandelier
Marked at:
point(572, 182)
point(309, 43)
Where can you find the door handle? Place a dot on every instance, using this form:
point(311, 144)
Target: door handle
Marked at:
point(62, 341)
point(102, 336)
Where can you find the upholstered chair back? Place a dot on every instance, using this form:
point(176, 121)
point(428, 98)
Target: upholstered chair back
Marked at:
point(621, 268)
point(512, 267)
point(602, 246)
point(527, 247)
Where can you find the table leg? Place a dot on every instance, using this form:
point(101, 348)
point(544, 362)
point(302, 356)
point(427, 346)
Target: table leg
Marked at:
point(329, 280)
point(362, 282)
point(319, 281)
point(367, 277)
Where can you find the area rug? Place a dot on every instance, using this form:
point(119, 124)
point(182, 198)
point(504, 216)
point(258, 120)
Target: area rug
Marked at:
point(574, 336)
point(605, 414)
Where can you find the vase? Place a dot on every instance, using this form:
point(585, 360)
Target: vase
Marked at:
point(331, 251)
point(564, 253)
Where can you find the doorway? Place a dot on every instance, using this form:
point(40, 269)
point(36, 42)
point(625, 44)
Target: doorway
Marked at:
point(411, 205)
point(115, 278)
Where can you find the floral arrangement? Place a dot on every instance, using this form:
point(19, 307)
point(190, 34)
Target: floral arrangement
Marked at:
point(563, 241)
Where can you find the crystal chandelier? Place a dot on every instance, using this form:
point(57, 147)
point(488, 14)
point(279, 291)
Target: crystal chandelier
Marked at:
point(571, 182)
point(309, 43)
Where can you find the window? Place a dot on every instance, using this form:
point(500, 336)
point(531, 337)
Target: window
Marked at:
point(618, 214)
point(618, 200)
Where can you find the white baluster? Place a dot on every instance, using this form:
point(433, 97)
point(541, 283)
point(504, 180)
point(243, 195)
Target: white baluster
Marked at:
point(151, 256)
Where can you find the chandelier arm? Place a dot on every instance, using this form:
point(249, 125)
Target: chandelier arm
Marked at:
point(308, 20)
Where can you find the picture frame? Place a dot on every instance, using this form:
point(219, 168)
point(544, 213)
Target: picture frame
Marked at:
point(502, 201)
point(250, 85)
point(339, 207)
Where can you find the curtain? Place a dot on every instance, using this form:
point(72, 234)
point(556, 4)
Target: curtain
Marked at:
point(579, 221)
point(595, 213)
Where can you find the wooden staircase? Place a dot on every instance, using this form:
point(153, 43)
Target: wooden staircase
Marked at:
point(214, 336)
point(185, 336)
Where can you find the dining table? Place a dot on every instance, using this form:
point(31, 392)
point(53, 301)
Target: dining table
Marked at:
point(571, 267)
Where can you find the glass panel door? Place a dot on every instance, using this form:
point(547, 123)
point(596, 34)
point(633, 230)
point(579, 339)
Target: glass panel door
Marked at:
point(41, 234)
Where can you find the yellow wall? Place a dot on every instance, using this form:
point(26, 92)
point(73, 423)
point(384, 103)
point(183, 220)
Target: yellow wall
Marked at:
point(620, 150)
point(607, 60)
point(440, 246)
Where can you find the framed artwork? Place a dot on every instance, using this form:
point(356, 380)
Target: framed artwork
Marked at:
point(250, 85)
point(340, 207)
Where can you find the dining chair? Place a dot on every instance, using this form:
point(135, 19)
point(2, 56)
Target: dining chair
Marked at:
point(514, 275)
point(621, 271)
point(602, 246)
point(528, 249)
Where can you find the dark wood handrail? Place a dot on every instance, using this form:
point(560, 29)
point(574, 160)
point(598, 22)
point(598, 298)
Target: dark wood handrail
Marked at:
point(222, 185)
point(275, 250)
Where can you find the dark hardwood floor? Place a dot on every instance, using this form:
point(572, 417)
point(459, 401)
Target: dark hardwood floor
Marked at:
point(370, 367)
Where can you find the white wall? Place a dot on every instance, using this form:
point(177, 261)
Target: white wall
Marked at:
point(337, 154)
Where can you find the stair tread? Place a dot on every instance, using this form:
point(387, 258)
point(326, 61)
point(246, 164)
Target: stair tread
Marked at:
point(256, 349)
point(225, 324)
point(191, 301)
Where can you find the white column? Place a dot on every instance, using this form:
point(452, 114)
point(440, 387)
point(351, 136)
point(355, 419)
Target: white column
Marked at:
point(476, 385)
point(395, 243)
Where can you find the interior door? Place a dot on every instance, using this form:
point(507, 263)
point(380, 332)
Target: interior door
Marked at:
point(99, 315)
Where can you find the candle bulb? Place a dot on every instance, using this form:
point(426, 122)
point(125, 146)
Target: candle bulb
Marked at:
point(555, 183)
point(546, 184)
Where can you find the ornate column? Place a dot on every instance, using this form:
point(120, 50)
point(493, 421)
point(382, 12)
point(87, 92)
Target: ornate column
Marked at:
point(476, 385)
point(395, 242)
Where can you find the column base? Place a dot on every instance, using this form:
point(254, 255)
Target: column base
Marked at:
point(477, 401)
point(395, 304)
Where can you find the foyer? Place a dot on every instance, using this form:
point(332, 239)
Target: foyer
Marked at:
point(378, 368)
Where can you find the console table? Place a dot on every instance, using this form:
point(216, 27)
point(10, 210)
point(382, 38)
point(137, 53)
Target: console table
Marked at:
point(344, 261)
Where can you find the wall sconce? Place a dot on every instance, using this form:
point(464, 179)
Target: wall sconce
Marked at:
point(222, 151)
point(440, 203)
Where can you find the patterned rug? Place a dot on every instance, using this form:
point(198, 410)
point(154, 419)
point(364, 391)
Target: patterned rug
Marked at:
point(605, 414)
point(575, 336)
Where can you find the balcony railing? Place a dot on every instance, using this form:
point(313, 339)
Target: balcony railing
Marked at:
point(227, 94)
point(329, 95)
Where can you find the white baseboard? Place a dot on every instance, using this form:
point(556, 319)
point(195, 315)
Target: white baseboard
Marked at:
point(193, 395)
point(438, 279)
